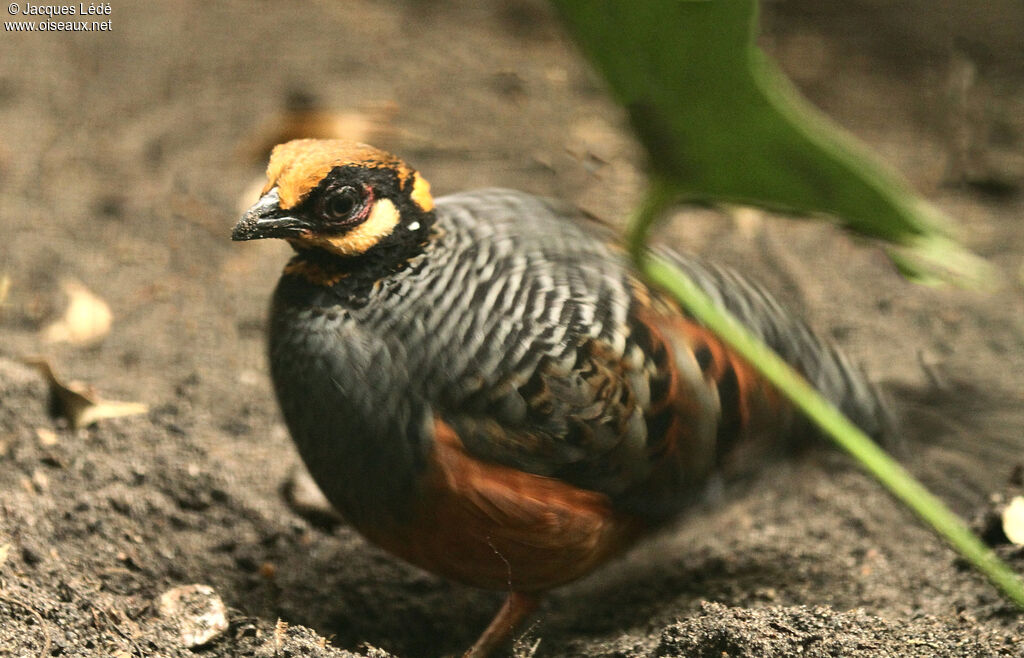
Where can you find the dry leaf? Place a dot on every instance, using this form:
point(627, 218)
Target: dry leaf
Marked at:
point(78, 402)
point(280, 630)
point(40, 480)
point(1013, 521)
point(303, 118)
point(4, 550)
point(306, 499)
point(5, 288)
point(46, 436)
point(749, 221)
point(87, 318)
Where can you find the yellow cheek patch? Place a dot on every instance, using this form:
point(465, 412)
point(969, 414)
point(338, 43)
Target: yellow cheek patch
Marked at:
point(421, 193)
point(298, 166)
point(381, 223)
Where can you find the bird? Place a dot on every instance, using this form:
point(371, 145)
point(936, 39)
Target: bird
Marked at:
point(483, 385)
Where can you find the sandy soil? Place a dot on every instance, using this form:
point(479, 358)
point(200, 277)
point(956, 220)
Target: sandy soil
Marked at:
point(123, 162)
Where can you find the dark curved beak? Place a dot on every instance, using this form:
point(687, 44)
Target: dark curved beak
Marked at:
point(265, 219)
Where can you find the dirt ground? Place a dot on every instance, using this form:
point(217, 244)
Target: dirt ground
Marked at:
point(124, 159)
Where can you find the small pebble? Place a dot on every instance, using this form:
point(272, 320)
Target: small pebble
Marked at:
point(1013, 521)
point(200, 613)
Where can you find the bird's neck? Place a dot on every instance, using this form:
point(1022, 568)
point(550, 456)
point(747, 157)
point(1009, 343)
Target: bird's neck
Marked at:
point(351, 279)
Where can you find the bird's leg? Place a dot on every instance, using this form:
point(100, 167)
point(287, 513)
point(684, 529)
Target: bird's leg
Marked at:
point(515, 609)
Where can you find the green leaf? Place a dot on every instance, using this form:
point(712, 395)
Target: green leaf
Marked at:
point(720, 123)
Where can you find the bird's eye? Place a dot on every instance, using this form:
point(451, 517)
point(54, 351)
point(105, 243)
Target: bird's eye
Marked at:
point(342, 204)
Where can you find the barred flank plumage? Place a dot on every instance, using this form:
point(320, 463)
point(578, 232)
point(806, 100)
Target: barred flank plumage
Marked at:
point(827, 368)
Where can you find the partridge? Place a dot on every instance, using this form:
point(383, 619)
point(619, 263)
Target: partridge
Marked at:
point(483, 385)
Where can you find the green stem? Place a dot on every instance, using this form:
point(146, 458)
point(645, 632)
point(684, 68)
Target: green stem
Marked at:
point(876, 461)
point(660, 194)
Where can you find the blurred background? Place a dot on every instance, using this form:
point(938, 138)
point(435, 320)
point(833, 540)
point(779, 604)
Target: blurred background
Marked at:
point(126, 156)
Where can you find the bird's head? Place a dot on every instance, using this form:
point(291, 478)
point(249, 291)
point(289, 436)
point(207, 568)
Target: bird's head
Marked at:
point(338, 196)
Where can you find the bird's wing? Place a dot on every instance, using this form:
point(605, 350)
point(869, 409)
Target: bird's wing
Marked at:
point(633, 399)
point(647, 425)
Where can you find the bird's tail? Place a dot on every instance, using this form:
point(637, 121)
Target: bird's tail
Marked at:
point(826, 368)
point(965, 443)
